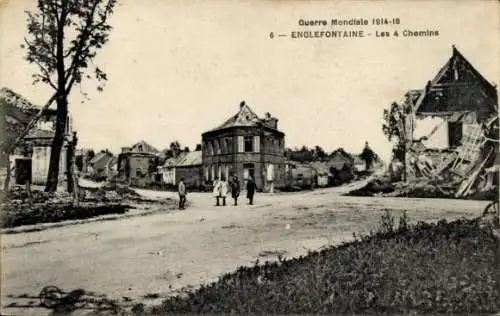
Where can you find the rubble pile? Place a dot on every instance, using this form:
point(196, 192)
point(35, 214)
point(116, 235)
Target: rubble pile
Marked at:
point(374, 187)
point(469, 171)
point(42, 207)
point(463, 172)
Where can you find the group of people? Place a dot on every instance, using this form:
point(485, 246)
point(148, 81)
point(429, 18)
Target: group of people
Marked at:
point(221, 188)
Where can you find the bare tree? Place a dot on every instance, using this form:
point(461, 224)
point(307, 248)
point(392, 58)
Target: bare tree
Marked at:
point(63, 39)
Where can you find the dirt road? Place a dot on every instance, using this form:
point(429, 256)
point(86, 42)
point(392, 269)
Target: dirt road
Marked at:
point(160, 253)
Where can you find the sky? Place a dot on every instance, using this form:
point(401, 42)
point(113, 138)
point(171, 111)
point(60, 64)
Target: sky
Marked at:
point(178, 68)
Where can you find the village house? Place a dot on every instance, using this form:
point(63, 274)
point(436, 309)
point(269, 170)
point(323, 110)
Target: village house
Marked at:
point(137, 165)
point(98, 165)
point(246, 146)
point(444, 124)
point(30, 160)
point(321, 173)
point(82, 160)
point(339, 159)
point(359, 164)
point(187, 165)
point(299, 175)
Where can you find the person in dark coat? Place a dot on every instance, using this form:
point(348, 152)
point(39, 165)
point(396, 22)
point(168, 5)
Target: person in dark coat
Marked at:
point(235, 189)
point(182, 194)
point(250, 190)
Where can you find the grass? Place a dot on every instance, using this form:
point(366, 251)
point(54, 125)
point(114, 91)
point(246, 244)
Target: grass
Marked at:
point(447, 267)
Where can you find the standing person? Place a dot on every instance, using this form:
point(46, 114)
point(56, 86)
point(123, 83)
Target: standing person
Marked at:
point(182, 193)
point(250, 190)
point(216, 192)
point(223, 190)
point(235, 189)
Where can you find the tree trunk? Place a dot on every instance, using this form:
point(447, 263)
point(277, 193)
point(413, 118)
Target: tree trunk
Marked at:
point(69, 167)
point(57, 143)
point(7, 177)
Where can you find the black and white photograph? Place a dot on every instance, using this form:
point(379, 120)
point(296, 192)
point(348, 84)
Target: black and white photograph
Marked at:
point(163, 157)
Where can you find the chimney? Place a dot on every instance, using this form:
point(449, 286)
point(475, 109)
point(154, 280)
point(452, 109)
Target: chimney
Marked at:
point(268, 115)
point(242, 104)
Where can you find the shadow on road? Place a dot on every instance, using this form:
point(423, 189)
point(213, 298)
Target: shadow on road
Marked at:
point(60, 302)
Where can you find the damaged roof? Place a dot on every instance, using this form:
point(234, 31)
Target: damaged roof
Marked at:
point(142, 146)
point(458, 86)
point(16, 112)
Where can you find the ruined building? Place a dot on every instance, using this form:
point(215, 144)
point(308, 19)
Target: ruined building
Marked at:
point(245, 145)
point(30, 159)
point(450, 127)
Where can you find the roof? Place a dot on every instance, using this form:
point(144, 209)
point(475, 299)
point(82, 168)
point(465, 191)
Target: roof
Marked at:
point(184, 160)
point(190, 159)
point(341, 153)
point(245, 117)
point(458, 86)
point(173, 161)
point(320, 167)
point(113, 161)
point(101, 158)
point(142, 146)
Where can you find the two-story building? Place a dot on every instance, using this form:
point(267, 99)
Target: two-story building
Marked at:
point(246, 146)
point(137, 165)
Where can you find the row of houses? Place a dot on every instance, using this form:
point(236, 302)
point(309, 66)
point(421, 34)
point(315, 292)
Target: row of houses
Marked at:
point(245, 145)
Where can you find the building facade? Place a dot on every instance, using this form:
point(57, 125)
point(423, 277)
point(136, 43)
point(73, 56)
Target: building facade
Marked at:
point(187, 166)
point(137, 165)
point(245, 146)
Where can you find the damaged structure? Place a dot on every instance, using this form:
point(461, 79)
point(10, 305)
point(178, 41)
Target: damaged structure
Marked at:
point(30, 159)
point(450, 130)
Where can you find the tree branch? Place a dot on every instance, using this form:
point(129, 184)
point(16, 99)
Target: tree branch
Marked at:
point(45, 71)
point(81, 43)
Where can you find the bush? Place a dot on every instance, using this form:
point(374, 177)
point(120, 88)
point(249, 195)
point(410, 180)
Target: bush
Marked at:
point(438, 268)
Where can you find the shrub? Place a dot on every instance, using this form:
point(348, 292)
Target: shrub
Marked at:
point(427, 268)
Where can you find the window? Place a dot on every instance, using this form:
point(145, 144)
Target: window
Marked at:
point(256, 144)
point(210, 148)
point(455, 134)
point(248, 144)
point(270, 172)
point(248, 170)
point(240, 144)
point(228, 145)
point(217, 146)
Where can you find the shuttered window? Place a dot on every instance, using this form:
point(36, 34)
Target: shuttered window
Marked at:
point(256, 144)
point(240, 144)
